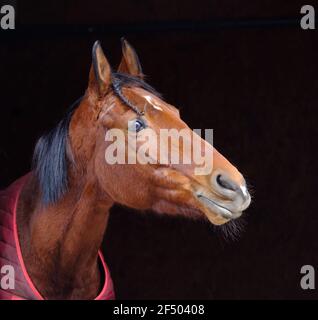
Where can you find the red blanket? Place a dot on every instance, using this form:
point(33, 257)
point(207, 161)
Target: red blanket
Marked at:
point(10, 251)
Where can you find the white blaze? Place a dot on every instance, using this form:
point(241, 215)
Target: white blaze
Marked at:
point(150, 101)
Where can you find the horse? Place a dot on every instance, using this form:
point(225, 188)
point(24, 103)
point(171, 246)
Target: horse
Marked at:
point(60, 209)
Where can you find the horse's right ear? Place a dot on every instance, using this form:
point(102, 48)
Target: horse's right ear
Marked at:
point(100, 73)
point(130, 62)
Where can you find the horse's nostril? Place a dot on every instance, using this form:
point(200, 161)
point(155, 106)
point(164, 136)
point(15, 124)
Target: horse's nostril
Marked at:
point(226, 183)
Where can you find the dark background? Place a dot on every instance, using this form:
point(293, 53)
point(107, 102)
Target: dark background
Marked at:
point(245, 69)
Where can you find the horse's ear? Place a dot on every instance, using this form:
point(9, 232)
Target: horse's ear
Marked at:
point(130, 62)
point(100, 73)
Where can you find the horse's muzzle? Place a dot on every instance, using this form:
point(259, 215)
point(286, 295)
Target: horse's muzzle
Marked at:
point(228, 199)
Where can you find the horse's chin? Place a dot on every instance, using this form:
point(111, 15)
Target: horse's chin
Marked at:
point(217, 212)
point(216, 219)
point(199, 205)
point(191, 211)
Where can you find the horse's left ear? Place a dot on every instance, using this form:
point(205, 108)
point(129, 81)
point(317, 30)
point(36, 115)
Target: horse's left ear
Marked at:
point(130, 62)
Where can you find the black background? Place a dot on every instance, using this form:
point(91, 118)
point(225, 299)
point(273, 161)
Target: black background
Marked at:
point(245, 69)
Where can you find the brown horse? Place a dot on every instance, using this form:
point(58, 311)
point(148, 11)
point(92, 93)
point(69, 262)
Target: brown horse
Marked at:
point(63, 207)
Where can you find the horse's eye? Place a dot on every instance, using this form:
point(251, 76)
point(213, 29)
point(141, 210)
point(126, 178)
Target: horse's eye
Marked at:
point(137, 125)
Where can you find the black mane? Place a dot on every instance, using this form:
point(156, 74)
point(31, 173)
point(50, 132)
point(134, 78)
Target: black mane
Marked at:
point(50, 162)
point(125, 80)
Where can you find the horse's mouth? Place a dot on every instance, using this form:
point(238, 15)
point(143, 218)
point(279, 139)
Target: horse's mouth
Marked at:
point(218, 208)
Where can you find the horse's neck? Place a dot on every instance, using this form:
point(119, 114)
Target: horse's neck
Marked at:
point(60, 243)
